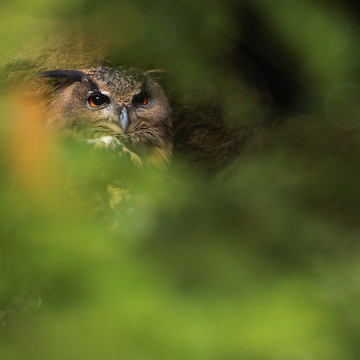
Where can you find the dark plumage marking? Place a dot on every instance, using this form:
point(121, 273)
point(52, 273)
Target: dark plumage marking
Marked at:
point(74, 75)
point(69, 75)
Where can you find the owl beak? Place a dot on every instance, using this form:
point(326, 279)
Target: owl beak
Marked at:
point(124, 118)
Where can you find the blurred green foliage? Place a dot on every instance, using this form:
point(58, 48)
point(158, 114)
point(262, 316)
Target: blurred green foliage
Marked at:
point(261, 262)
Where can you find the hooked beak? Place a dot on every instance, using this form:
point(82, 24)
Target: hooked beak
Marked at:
point(124, 118)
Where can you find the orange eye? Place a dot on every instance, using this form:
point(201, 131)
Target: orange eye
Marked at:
point(97, 100)
point(141, 98)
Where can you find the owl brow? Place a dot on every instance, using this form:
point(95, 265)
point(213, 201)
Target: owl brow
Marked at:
point(143, 89)
point(94, 86)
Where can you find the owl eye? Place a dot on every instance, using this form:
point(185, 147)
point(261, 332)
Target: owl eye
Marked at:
point(141, 98)
point(97, 100)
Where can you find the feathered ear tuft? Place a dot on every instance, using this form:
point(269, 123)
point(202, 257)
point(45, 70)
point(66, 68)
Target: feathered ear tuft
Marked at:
point(160, 75)
point(156, 73)
point(74, 75)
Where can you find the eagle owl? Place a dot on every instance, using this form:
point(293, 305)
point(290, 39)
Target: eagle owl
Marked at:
point(125, 110)
point(119, 108)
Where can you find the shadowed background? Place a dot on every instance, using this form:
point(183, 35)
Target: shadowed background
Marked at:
point(247, 247)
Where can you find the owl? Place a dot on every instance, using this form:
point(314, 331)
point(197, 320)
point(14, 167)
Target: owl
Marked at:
point(123, 110)
point(120, 108)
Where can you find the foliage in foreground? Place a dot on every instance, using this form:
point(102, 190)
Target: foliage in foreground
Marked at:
point(238, 267)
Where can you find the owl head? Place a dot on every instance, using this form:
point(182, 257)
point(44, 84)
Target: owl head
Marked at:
point(125, 106)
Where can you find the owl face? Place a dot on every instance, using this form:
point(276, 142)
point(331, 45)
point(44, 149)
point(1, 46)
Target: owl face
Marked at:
point(126, 106)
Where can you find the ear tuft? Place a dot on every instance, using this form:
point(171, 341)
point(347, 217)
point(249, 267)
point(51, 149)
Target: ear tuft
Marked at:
point(74, 75)
point(155, 71)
